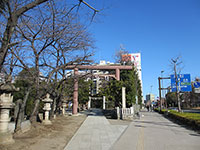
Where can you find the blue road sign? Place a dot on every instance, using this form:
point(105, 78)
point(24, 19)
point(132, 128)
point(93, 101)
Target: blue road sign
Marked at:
point(184, 83)
point(196, 84)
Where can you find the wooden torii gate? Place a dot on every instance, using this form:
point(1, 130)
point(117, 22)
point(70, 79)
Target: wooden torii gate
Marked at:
point(76, 68)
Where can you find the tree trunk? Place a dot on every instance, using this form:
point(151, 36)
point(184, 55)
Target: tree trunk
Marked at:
point(53, 111)
point(12, 21)
point(17, 109)
point(37, 82)
point(21, 112)
point(34, 114)
point(18, 119)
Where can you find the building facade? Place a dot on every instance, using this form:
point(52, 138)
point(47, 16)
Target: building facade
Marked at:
point(150, 97)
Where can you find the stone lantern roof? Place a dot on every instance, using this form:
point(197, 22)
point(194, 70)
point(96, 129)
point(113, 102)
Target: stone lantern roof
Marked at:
point(8, 87)
point(47, 99)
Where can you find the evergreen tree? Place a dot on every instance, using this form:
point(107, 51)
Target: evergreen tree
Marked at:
point(83, 91)
point(132, 83)
point(113, 89)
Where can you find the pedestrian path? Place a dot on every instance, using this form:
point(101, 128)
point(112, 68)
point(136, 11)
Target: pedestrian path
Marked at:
point(154, 132)
point(96, 133)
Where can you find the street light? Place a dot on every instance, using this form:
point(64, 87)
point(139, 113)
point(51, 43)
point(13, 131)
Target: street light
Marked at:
point(160, 89)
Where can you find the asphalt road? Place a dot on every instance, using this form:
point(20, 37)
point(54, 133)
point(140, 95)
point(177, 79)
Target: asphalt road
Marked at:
point(154, 132)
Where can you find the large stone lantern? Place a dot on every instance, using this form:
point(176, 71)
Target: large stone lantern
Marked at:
point(6, 103)
point(47, 107)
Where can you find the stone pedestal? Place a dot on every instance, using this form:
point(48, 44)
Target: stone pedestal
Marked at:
point(6, 103)
point(47, 107)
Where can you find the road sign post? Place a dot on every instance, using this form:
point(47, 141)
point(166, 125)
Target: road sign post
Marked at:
point(180, 83)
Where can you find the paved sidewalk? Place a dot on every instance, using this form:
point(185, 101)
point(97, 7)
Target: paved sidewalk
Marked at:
point(96, 133)
point(154, 132)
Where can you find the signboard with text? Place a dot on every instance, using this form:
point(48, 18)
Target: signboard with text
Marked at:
point(184, 83)
point(135, 58)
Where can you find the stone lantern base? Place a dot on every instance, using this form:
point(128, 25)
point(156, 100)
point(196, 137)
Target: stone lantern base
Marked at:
point(46, 122)
point(6, 138)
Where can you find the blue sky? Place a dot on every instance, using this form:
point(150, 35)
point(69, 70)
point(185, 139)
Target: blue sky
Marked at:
point(159, 29)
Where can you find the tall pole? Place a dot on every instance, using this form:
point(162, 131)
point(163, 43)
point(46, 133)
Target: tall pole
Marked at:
point(162, 84)
point(123, 97)
point(177, 88)
point(160, 93)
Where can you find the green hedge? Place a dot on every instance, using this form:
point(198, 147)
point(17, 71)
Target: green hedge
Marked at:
point(190, 116)
point(190, 119)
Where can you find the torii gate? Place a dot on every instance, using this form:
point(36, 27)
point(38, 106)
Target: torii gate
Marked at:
point(92, 67)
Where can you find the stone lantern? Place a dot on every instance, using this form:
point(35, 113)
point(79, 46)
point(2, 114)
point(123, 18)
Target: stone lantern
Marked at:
point(64, 106)
point(47, 107)
point(6, 103)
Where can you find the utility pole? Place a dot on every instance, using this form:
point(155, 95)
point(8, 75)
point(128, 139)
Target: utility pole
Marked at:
point(162, 83)
point(160, 93)
point(177, 81)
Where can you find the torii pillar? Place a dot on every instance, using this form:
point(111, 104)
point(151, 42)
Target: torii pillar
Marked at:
point(117, 74)
point(75, 94)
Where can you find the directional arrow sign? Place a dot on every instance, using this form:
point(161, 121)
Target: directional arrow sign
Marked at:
point(197, 87)
point(184, 83)
point(196, 84)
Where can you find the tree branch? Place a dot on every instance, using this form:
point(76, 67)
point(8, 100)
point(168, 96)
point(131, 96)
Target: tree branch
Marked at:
point(29, 6)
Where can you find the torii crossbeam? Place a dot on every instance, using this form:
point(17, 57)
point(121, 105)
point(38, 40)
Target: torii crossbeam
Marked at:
point(117, 69)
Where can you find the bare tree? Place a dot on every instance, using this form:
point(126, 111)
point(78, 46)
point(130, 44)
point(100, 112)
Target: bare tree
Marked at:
point(2, 6)
point(11, 11)
point(52, 41)
point(119, 52)
point(176, 62)
point(46, 38)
